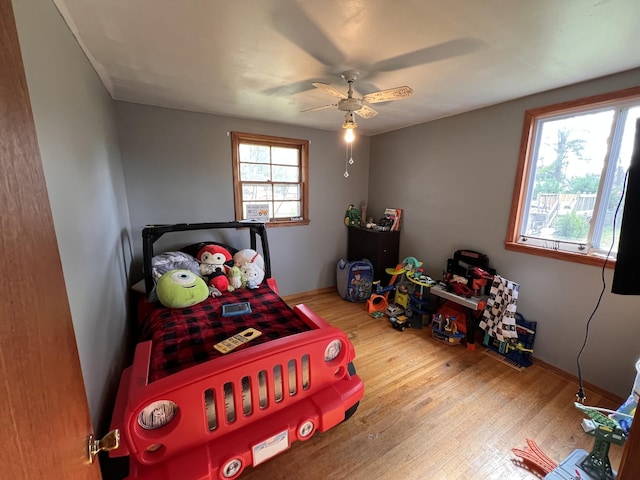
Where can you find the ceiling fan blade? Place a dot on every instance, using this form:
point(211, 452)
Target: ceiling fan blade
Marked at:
point(396, 93)
point(329, 89)
point(319, 108)
point(295, 24)
point(366, 112)
point(290, 89)
point(441, 51)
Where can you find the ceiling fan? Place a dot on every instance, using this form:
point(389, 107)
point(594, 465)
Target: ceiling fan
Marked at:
point(350, 104)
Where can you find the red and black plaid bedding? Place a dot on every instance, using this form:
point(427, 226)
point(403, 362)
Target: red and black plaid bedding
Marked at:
point(183, 337)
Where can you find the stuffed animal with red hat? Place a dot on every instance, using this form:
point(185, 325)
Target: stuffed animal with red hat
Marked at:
point(213, 265)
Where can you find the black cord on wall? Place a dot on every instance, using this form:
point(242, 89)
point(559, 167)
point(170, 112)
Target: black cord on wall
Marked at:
point(580, 395)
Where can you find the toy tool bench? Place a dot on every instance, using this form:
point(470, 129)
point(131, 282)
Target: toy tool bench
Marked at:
point(463, 292)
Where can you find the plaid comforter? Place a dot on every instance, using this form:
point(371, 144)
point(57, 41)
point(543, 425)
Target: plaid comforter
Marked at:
point(183, 337)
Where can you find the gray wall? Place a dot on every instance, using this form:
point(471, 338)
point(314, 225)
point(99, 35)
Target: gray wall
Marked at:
point(454, 178)
point(77, 136)
point(178, 168)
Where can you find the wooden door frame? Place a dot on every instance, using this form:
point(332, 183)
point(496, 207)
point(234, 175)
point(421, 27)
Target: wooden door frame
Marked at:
point(630, 461)
point(46, 418)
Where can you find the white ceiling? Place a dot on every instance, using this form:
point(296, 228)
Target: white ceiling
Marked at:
point(257, 58)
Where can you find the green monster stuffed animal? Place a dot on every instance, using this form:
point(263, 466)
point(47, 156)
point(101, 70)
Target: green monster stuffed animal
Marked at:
point(181, 288)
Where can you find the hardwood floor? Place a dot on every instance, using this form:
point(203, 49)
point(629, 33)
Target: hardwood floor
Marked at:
point(434, 412)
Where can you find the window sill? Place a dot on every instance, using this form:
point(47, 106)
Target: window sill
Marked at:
point(566, 256)
point(288, 223)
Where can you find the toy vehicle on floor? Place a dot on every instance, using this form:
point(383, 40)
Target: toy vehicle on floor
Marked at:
point(400, 322)
point(394, 310)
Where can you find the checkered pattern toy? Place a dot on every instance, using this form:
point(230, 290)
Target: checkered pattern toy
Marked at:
point(498, 318)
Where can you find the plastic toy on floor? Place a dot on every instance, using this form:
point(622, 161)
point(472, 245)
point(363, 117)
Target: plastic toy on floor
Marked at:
point(606, 429)
point(399, 322)
point(397, 274)
point(379, 299)
point(407, 284)
point(533, 457)
point(517, 353)
point(401, 297)
point(445, 330)
point(468, 273)
point(415, 273)
point(580, 464)
point(412, 292)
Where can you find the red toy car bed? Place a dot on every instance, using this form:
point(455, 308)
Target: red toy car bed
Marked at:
point(185, 410)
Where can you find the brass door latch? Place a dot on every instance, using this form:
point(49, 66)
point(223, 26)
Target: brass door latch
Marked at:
point(109, 442)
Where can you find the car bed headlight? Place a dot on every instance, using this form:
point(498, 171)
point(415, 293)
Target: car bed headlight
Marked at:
point(157, 414)
point(332, 350)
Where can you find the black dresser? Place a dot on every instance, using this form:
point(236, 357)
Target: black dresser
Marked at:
point(382, 248)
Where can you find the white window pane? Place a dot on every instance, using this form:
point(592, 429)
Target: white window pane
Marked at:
point(285, 174)
point(254, 153)
point(255, 172)
point(286, 209)
point(626, 148)
point(568, 162)
point(612, 195)
point(256, 192)
point(286, 192)
point(285, 156)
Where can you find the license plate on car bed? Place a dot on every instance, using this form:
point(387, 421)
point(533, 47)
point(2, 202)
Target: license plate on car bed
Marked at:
point(270, 447)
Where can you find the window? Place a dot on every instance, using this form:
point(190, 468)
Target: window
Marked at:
point(271, 171)
point(572, 167)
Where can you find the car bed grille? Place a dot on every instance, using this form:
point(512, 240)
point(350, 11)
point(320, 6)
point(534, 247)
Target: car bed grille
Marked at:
point(264, 388)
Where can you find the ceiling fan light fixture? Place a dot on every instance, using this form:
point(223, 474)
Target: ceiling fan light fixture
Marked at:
point(349, 136)
point(349, 125)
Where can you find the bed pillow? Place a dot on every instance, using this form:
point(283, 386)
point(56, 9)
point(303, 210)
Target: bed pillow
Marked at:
point(167, 261)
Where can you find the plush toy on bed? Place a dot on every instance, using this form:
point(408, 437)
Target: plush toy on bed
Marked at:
point(213, 265)
point(237, 279)
point(181, 288)
point(251, 264)
point(168, 261)
point(253, 273)
point(247, 255)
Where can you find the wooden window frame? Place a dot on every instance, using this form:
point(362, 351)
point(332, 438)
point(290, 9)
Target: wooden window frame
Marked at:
point(238, 138)
point(524, 168)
